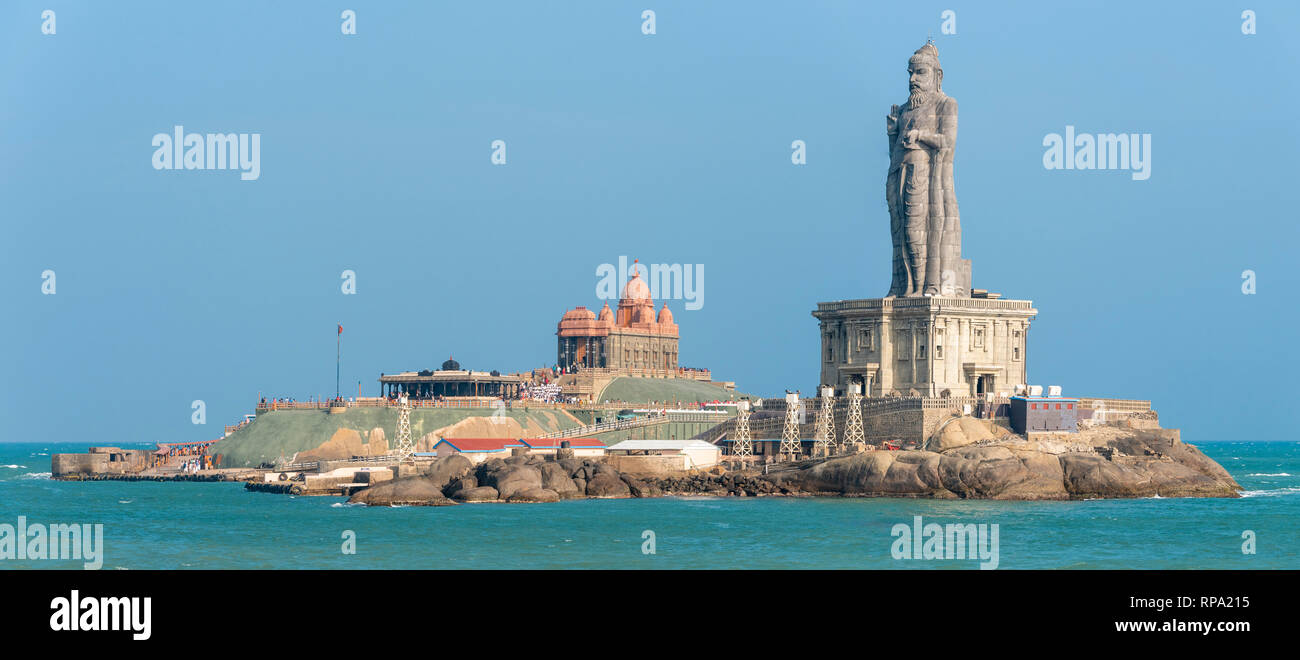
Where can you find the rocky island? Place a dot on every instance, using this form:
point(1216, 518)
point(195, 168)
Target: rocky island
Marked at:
point(1105, 462)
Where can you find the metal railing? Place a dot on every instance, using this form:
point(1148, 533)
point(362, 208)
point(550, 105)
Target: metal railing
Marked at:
point(510, 404)
point(1125, 405)
point(605, 427)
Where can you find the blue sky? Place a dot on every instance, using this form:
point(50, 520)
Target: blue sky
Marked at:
point(675, 148)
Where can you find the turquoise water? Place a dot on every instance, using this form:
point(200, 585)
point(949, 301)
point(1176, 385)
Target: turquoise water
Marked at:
point(220, 525)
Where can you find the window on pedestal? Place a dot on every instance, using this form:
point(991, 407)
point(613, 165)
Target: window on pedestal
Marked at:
point(938, 344)
point(865, 336)
point(977, 337)
point(1015, 345)
point(920, 351)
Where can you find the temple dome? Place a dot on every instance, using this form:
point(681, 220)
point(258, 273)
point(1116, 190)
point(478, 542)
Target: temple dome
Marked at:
point(665, 316)
point(579, 314)
point(451, 365)
point(606, 314)
point(636, 288)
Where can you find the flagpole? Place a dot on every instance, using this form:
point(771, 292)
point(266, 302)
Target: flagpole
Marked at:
point(338, 357)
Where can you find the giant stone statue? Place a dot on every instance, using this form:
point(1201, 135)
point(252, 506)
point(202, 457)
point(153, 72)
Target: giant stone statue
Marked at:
point(924, 222)
point(933, 335)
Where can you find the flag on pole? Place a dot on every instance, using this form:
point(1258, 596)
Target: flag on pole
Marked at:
point(340, 329)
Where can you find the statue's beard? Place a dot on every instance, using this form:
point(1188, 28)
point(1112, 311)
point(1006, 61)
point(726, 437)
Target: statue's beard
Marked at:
point(919, 98)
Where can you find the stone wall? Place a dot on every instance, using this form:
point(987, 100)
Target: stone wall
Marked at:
point(65, 464)
point(657, 465)
point(100, 460)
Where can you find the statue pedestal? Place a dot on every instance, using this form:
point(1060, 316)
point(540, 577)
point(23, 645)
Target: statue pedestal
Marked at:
point(924, 346)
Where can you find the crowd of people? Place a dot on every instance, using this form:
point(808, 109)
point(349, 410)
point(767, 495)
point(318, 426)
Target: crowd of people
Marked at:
point(197, 463)
point(545, 393)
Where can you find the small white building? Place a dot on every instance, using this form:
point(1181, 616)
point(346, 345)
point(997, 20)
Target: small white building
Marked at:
point(696, 454)
point(582, 447)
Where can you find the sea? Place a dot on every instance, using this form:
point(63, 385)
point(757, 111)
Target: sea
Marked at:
point(178, 525)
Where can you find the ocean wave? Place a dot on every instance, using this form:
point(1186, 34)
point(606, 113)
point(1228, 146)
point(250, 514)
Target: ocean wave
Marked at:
point(1270, 493)
point(14, 466)
point(1275, 474)
point(340, 505)
point(35, 475)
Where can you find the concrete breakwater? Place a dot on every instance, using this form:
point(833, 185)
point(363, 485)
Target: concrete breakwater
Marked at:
point(280, 487)
point(144, 477)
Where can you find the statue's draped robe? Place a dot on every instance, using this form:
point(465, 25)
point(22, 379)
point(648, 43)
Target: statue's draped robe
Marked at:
point(924, 221)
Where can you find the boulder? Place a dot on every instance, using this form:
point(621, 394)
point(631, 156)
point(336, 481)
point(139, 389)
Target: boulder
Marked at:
point(535, 495)
point(463, 483)
point(639, 488)
point(415, 491)
point(447, 468)
point(556, 478)
point(479, 494)
point(513, 478)
point(607, 484)
point(1090, 475)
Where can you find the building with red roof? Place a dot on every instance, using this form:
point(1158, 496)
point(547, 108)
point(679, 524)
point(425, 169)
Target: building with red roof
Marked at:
point(482, 449)
point(477, 450)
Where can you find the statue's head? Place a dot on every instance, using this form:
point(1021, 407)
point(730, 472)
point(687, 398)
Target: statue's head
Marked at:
point(925, 76)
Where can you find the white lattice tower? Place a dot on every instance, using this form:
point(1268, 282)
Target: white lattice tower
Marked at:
point(825, 433)
point(853, 438)
point(790, 434)
point(405, 447)
point(743, 445)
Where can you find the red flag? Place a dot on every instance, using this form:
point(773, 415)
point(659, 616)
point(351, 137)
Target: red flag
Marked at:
point(340, 329)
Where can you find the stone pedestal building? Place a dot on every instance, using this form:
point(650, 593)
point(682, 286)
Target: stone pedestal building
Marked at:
point(928, 346)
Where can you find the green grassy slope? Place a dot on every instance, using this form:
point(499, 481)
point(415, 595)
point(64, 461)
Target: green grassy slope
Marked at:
point(644, 390)
point(286, 432)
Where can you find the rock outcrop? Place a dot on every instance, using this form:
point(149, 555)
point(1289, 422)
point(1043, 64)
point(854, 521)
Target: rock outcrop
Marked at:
point(1108, 463)
point(512, 479)
point(447, 468)
point(535, 495)
point(412, 491)
point(968, 462)
point(478, 494)
point(607, 484)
